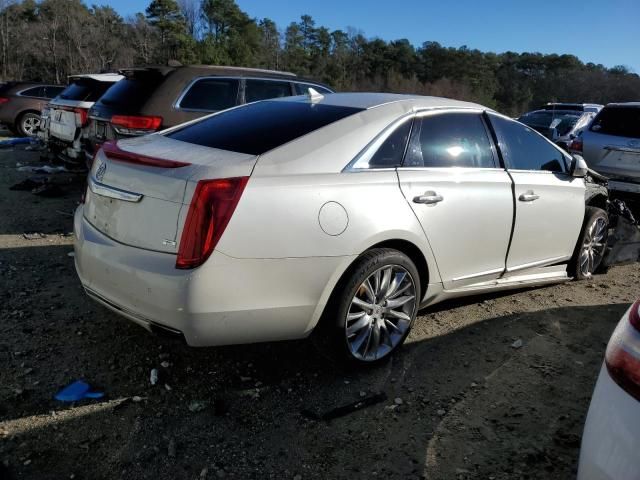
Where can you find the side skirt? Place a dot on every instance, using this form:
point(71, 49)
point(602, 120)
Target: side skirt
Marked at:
point(511, 281)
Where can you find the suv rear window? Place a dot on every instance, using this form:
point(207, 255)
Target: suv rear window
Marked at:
point(132, 92)
point(618, 121)
point(260, 127)
point(85, 90)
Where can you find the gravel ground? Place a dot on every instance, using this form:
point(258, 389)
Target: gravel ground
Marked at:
point(463, 398)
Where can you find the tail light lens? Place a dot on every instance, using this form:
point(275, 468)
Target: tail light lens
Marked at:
point(623, 353)
point(576, 145)
point(131, 122)
point(114, 152)
point(213, 204)
point(3, 100)
point(82, 115)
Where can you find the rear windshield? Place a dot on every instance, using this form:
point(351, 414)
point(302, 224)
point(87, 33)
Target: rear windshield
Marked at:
point(85, 90)
point(132, 92)
point(262, 126)
point(618, 121)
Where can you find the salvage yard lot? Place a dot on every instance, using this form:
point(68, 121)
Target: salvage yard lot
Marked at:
point(488, 387)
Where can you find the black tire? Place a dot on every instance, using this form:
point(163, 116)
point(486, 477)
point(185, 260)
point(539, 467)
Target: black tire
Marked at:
point(28, 124)
point(330, 336)
point(592, 216)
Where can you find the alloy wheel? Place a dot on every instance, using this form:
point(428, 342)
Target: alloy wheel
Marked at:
point(380, 313)
point(30, 125)
point(593, 246)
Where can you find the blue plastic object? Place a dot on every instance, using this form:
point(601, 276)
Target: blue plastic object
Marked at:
point(76, 391)
point(17, 141)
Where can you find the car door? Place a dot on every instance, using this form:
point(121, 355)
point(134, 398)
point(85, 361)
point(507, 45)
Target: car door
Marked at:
point(452, 178)
point(549, 202)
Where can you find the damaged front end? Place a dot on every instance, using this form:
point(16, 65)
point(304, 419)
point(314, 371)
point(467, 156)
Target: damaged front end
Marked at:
point(623, 242)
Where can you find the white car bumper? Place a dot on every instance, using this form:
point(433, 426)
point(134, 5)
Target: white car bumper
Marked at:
point(611, 440)
point(225, 301)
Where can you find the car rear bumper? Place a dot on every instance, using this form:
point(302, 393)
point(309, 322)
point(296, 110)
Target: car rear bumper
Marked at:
point(225, 301)
point(611, 439)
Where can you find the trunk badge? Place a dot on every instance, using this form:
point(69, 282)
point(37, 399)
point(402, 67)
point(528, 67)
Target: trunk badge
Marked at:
point(101, 171)
point(168, 243)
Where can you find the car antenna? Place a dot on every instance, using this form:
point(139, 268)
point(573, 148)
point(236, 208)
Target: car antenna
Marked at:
point(314, 95)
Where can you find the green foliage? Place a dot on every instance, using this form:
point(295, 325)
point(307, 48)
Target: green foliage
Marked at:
point(76, 38)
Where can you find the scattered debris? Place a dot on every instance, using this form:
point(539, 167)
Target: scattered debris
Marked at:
point(76, 391)
point(153, 376)
point(517, 344)
point(346, 409)
point(71, 254)
point(197, 406)
point(48, 169)
point(29, 184)
point(48, 190)
point(136, 399)
point(34, 236)
point(398, 401)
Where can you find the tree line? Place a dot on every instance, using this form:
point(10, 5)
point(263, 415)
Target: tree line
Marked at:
point(48, 40)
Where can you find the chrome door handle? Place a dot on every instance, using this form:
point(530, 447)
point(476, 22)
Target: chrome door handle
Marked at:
point(429, 198)
point(528, 196)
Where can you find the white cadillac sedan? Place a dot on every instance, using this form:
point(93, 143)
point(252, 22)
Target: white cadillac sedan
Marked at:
point(611, 440)
point(339, 215)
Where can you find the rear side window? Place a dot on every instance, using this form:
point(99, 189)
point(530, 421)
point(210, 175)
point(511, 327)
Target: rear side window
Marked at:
point(34, 92)
point(132, 93)
point(618, 121)
point(524, 149)
point(211, 94)
point(52, 92)
point(85, 90)
point(265, 89)
point(303, 88)
point(260, 127)
point(450, 140)
point(389, 153)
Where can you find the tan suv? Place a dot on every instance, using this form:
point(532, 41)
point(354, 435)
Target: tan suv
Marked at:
point(154, 98)
point(21, 104)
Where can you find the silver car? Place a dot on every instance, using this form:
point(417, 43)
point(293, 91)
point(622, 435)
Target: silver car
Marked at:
point(336, 216)
point(611, 145)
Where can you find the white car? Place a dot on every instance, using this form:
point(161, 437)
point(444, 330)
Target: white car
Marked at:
point(611, 440)
point(65, 116)
point(340, 215)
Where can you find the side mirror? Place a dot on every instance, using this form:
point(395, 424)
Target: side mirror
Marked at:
point(579, 167)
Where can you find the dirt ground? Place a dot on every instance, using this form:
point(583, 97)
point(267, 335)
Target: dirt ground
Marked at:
point(461, 401)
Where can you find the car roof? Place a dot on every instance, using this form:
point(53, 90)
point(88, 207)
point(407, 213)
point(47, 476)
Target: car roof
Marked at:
point(99, 77)
point(624, 104)
point(214, 70)
point(368, 100)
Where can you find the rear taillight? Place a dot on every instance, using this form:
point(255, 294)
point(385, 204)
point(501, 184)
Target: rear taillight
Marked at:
point(214, 201)
point(114, 152)
point(3, 100)
point(623, 353)
point(136, 122)
point(576, 145)
point(82, 115)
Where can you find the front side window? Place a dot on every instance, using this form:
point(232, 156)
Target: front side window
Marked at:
point(211, 94)
point(525, 149)
point(450, 140)
point(265, 89)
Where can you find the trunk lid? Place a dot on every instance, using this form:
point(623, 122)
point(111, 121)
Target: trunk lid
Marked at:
point(138, 203)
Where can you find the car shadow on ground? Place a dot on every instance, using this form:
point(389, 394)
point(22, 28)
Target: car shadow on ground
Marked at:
point(458, 401)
